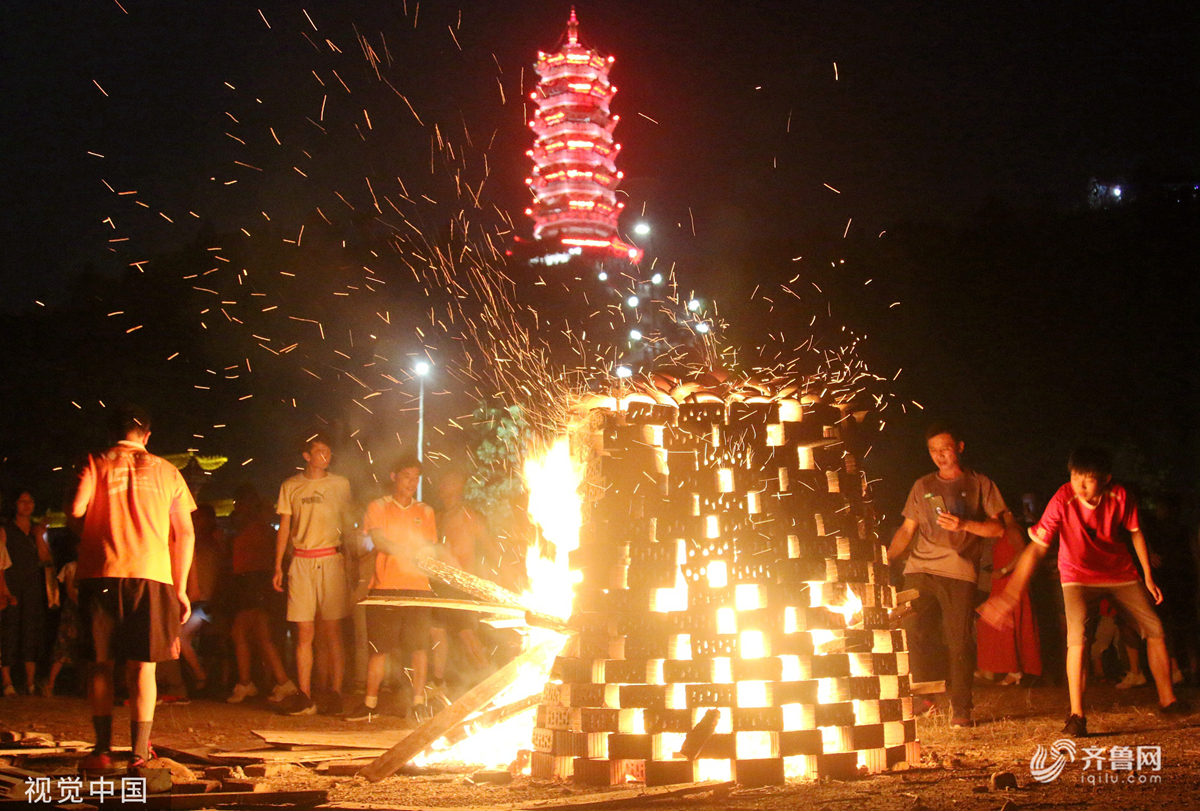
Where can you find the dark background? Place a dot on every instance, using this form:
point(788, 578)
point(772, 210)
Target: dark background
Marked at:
point(961, 139)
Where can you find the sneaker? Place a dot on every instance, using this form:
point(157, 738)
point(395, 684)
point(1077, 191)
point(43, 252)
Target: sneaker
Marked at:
point(1176, 707)
point(1076, 727)
point(362, 713)
point(1132, 680)
point(96, 763)
point(283, 691)
point(422, 713)
point(241, 692)
point(299, 704)
point(437, 693)
point(10, 691)
point(923, 707)
point(330, 704)
point(962, 723)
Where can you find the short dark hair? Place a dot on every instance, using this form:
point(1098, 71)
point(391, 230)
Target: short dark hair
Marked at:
point(405, 462)
point(943, 428)
point(127, 419)
point(315, 438)
point(1089, 460)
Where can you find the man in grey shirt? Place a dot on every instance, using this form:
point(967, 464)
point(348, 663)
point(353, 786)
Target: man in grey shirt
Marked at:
point(950, 512)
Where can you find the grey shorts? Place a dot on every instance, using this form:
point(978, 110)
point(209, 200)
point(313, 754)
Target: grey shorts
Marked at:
point(1132, 597)
point(317, 589)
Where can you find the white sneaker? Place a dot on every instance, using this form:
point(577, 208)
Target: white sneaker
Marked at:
point(283, 691)
point(1132, 680)
point(241, 692)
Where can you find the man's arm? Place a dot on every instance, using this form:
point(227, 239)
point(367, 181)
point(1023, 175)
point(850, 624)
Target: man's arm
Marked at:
point(902, 539)
point(183, 545)
point(43, 547)
point(1143, 555)
point(988, 528)
point(997, 611)
point(281, 541)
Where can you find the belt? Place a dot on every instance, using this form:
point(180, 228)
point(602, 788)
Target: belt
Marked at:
point(323, 552)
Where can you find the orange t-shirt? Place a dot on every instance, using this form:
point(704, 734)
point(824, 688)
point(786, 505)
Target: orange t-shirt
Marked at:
point(126, 497)
point(413, 529)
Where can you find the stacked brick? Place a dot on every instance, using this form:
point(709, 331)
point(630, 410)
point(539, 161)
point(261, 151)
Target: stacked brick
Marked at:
point(724, 536)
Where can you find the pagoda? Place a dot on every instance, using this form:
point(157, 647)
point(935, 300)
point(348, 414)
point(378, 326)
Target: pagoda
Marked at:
point(574, 176)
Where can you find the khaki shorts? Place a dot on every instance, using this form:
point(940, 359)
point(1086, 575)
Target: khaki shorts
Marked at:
point(317, 589)
point(1132, 597)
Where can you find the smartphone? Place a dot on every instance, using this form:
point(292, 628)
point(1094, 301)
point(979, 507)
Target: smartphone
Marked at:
point(938, 503)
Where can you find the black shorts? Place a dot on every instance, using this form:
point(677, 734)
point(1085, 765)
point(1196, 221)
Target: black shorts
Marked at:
point(454, 621)
point(391, 627)
point(128, 618)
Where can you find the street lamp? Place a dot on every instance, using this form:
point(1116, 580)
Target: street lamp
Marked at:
point(422, 369)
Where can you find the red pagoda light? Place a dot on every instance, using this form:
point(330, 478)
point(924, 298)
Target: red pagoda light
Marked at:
point(574, 177)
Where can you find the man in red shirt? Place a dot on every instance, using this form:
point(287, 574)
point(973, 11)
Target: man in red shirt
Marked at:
point(1091, 515)
point(133, 514)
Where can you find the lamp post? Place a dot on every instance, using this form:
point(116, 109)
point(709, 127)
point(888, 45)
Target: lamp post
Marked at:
point(422, 369)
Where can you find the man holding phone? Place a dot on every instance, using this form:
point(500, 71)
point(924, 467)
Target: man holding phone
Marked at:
point(950, 512)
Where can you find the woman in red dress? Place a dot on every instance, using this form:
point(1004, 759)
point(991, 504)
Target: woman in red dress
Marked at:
point(1015, 651)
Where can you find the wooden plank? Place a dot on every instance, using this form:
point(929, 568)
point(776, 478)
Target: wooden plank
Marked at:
point(924, 688)
point(464, 581)
point(476, 698)
point(624, 798)
point(303, 755)
point(355, 737)
point(240, 799)
point(496, 609)
point(491, 718)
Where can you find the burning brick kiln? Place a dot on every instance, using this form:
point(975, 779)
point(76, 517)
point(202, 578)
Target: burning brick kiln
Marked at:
point(731, 573)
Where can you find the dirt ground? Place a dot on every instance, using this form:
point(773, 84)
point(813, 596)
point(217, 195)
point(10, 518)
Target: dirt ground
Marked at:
point(953, 774)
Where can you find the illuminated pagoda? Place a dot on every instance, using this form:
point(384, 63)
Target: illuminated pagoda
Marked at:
point(574, 176)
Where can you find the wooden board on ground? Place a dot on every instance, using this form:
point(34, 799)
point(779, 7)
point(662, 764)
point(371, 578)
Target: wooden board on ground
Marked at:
point(355, 737)
point(302, 755)
point(924, 688)
point(580, 802)
point(448, 719)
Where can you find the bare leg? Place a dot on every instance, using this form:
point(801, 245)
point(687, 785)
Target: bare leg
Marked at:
point(335, 651)
point(1135, 659)
point(420, 664)
point(266, 646)
point(440, 645)
point(100, 688)
point(188, 652)
point(305, 631)
point(1160, 668)
point(1076, 677)
point(55, 669)
point(30, 674)
point(6, 674)
point(241, 645)
point(376, 665)
point(143, 690)
point(474, 647)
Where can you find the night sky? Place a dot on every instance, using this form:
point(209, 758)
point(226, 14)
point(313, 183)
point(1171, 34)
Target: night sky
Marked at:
point(735, 116)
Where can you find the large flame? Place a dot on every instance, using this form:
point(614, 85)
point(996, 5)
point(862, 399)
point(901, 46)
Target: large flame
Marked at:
point(555, 505)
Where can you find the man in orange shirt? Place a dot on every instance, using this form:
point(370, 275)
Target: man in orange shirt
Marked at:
point(401, 529)
point(133, 514)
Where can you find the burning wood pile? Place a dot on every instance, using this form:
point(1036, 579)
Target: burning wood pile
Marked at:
point(730, 614)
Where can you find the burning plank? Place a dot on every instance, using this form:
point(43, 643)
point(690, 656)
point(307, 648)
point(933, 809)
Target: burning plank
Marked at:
point(421, 738)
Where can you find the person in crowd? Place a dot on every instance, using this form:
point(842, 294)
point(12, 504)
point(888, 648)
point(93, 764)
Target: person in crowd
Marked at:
point(1175, 570)
point(464, 535)
point(1014, 651)
point(133, 514)
point(6, 598)
point(1045, 593)
point(314, 509)
point(202, 581)
point(401, 530)
point(23, 624)
point(1090, 515)
point(67, 640)
point(252, 569)
point(949, 513)
point(1104, 637)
